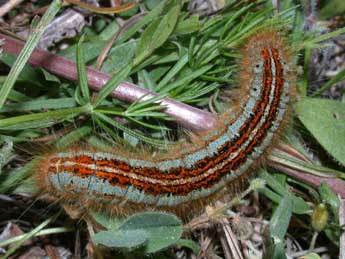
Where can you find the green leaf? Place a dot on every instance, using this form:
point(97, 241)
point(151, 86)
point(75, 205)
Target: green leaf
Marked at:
point(28, 74)
point(129, 239)
point(44, 232)
point(105, 220)
point(50, 77)
point(72, 137)
point(147, 80)
point(281, 218)
point(28, 186)
point(133, 133)
point(142, 106)
point(330, 198)
point(173, 72)
point(17, 96)
point(112, 84)
point(42, 119)
point(191, 244)
point(38, 105)
point(156, 34)
point(187, 26)
point(145, 20)
point(150, 4)
point(310, 256)
point(83, 86)
point(119, 57)
point(331, 8)
point(91, 50)
point(12, 178)
point(101, 143)
point(279, 252)
point(325, 119)
point(280, 191)
point(296, 164)
point(187, 78)
point(109, 31)
point(163, 229)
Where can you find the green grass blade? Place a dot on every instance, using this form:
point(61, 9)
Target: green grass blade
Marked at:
point(28, 235)
point(145, 20)
point(17, 122)
point(28, 49)
point(83, 84)
point(340, 76)
point(73, 137)
point(112, 84)
point(131, 132)
point(186, 79)
point(172, 72)
point(38, 105)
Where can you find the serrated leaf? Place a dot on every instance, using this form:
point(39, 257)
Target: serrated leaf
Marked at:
point(163, 229)
point(325, 119)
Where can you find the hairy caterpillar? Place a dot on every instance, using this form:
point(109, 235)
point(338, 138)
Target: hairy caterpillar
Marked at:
point(195, 172)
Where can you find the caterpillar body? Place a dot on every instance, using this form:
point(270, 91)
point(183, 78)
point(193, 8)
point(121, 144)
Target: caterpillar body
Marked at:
point(204, 168)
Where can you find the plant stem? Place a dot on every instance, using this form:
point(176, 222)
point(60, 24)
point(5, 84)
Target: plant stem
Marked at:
point(337, 185)
point(186, 115)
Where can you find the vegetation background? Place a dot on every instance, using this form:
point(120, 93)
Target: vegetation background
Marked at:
point(188, 51)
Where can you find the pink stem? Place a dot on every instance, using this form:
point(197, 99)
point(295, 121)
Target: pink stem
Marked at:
point(186, 115)
point(336, 184)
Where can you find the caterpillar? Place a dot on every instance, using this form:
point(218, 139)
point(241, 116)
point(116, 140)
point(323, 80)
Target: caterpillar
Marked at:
point(196, 172)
